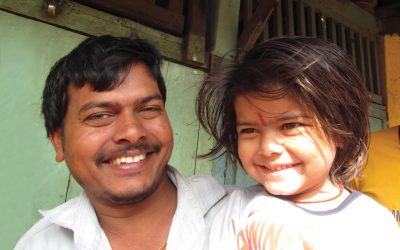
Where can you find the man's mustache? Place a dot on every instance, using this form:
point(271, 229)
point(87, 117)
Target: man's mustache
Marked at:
point(105, 156)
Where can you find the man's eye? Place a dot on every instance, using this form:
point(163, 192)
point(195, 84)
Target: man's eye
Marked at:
point(98, 116)
point(99, 119)
point(150, 112)
point(151, 109)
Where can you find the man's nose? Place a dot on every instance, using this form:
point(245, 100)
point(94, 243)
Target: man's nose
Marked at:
point(271, 143)
point(129, 128)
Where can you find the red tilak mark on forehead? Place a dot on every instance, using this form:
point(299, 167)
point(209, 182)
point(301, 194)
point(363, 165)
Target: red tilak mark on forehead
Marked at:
point(263, 122)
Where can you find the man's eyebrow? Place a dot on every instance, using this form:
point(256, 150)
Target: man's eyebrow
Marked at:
point(150, 98)
point(91, 105)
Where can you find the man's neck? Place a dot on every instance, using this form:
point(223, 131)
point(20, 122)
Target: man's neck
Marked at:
point(142, 225)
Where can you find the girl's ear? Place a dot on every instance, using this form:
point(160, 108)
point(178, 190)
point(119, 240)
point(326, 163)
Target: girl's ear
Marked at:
point(56, 140)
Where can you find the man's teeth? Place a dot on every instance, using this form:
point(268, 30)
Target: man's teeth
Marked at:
point(128, 159)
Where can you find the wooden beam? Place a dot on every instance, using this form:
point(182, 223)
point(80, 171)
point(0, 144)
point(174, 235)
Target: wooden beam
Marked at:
point(247, 12)
point(330, 30)
point(389, 10)
point(302, 18)
point(142, 11)
point(256, 25)
point(349, 14)
point(278, 19)
point(85, 20)
point(175, 6)
point(367, 63)
point(195, 39)
point(390, 25)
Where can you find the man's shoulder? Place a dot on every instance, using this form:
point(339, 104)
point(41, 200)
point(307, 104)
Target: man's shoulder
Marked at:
point(56, 229)
point(205, 188)
point(199, 183)
point(46, 235)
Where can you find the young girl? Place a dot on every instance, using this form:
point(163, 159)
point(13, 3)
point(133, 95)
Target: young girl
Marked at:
point(294, 113)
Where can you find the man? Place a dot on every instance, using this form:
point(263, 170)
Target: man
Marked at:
point(104, 111)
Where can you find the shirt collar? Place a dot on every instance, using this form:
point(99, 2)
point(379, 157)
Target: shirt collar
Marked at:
point(196, 196)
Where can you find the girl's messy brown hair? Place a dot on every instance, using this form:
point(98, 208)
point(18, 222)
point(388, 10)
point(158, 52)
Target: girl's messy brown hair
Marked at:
point(315, 72)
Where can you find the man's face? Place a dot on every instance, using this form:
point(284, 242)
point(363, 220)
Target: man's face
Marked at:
point(116, 143)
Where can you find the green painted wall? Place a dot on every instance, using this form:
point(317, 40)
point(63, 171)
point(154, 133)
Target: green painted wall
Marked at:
point(30, 178)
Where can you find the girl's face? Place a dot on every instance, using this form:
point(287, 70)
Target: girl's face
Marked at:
point(282, 148)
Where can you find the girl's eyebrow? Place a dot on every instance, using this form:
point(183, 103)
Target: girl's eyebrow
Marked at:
point(244, 123)
point(294, 117)
point(279, 118)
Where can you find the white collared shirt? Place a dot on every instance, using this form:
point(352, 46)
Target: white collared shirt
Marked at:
point(74, 224)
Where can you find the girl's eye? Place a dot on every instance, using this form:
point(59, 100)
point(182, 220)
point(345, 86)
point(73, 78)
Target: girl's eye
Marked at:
point(292, 125)
point(247, 131)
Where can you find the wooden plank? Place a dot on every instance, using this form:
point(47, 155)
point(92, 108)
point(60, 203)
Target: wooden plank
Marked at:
point(359, 48)
point(375, 69)
point(287, 17)
point(313, 22)
point(278, 20)
point(290, 16)
point(142, 11)
point(175, 6)
point(302, 18)
point(324, 31)
point(88, 21)
point(320, 26)
point(331, 30)
point(223, 37)
point(349, 14)
point(247, 12)
point(311, 27)
point(250, 33)
point(353, 47)
point(195, 39)
point(391, 25)
point(182, 86)
point(367, 62)
point(388, 10)
point(266, 29)
point(341, 36)
point(272, 24)
point(350, 44)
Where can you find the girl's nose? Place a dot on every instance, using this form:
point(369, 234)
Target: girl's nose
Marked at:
point(271, 143)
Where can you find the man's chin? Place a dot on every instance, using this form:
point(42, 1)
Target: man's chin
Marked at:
point(129, 197)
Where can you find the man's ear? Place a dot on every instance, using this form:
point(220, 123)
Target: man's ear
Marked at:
point(56, 140)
